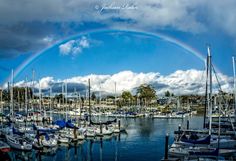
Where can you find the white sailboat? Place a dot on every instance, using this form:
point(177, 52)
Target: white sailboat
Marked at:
point(103, 130)
point(90, 131)
point(63, 139)
point(45, 140)
point(18, 142)
point(201, 145)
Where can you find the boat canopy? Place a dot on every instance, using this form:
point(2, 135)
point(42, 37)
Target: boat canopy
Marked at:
point(60, 123)
point(205, 152)
point(16, 131)
point(104, 123)
point(69, 124)
point(44, 129)
point(193, 139)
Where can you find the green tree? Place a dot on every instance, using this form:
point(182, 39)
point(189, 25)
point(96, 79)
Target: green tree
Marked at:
point(19, 93)
point(167, 94)
point(59, 97)
point(5, 95)
point(93, 96)
point(146, 93)
point(110, 97)
point(126, 97)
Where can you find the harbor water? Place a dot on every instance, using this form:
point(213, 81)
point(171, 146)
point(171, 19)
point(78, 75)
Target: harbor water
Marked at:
point(144, 140)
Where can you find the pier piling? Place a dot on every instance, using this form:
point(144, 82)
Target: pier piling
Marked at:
point(179, 128)
point(100, 128)
point(166, 158)
point(166, 146)
point(187, 124)
point(119, 124)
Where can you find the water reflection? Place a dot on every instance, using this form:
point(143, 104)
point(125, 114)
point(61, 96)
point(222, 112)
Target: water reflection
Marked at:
point(117, 147)
point(146, 127)
point(5, 156)
point(100, 150)
point(21, 155)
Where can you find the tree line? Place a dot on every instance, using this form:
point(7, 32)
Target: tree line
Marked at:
point(18, 94)
point(144, 95)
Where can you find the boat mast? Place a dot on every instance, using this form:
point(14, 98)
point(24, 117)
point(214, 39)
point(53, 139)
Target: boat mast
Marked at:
point(75, 99)
point(1, 101)
point(40, 98)
point(62, 97)
point(18, 100)
point(89, 101)
point(33, 74)
point(206, 93)
point(26, 101)
point(11, 92)
point(233, 58)
point(50, 105)
point(80, 105)
point(1, 90)
point(115, 94)
point(210, 92)
point(26, 95)
point(66, 98)
point(100, 98)
point(219, 109)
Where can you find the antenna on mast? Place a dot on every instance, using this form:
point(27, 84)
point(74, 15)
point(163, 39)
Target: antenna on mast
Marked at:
point(208, 50)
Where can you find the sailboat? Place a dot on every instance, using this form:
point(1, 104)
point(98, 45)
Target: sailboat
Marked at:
point(103, 128)
point(90, 131)
point(47, 140)
point(205, 145)
point(14, 140)
point(36, 116)
point(18, 142)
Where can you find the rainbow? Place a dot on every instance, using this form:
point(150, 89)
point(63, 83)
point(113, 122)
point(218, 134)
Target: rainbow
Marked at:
point(167, 38)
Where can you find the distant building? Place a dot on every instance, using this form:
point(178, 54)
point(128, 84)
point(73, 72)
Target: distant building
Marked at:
point(166, 100)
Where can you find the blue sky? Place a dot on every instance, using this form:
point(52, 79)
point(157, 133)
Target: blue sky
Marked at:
point(109, 52)
point(30, 27)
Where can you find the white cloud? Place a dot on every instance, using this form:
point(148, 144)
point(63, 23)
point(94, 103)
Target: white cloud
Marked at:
point(66, 48)
point(74, 47)
point(84, 42)
point(48, 40)
point(20, 83)
point(180, 82)
point(45, 82)
point(62, 18)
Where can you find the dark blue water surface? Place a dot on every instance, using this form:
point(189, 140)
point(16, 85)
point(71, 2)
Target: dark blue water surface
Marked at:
point(144, 141)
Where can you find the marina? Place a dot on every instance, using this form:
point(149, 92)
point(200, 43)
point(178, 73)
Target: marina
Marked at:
point(86, 125)
point(115, 80)
point(79, 128)
point(140, 134)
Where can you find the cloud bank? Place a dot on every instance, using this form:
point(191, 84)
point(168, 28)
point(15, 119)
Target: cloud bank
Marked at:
point(180, 82)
